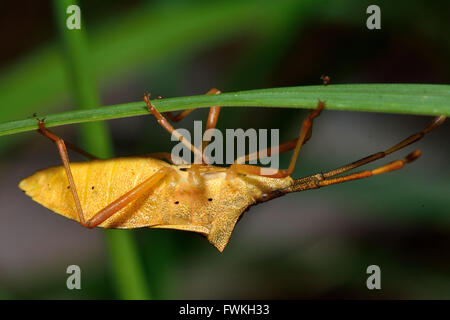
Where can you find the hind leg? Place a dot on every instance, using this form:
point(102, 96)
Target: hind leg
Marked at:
point(45, 132)
point(114, 206)
point(296, 144)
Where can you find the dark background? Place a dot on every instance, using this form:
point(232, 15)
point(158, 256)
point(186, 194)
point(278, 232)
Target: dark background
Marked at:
point(315, 244)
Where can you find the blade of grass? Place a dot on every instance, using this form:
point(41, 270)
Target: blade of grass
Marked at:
point(420, 99)
point(121, 45)
point(127, 270)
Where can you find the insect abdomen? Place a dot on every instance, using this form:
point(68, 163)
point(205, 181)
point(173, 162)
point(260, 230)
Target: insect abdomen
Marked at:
point(98, 183)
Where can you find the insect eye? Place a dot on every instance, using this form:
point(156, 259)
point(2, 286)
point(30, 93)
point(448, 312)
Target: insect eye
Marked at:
point(177, 202)
point(210, 199)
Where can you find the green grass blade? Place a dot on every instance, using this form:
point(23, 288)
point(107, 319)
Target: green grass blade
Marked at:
point(121, 45)
point(128, 273)
point(420, 99)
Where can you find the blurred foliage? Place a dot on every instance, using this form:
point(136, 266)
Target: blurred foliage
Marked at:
point(128, 274)
point(247, 44)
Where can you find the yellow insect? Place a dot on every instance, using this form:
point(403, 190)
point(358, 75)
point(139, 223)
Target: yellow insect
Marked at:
point(147, 191)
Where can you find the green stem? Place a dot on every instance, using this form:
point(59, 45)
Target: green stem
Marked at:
point(420, 99)
point(127, 270)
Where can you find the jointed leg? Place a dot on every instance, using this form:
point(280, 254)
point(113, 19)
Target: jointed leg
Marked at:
point(318, 181)
point(185, 113)
point(296, 144)
point(176, 118)
point(436, 122)
point(70, 146)
point(213, 117)
point(211, 123)
point(113, 207)
point(169, 128)
point(284, 147)
point(323, 179)
point(126, 199)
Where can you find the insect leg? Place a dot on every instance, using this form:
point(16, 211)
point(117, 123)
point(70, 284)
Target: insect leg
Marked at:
point(183, 114)
point(114, 206)
point(126, 199)
point(169, 128)
point(318, 181)
point(213, 116)
point(178, 117)
point(66, 162)
point(284, 147)
point(323, 179)
point(44, 131)
point(305, 134)
point(436, 122)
